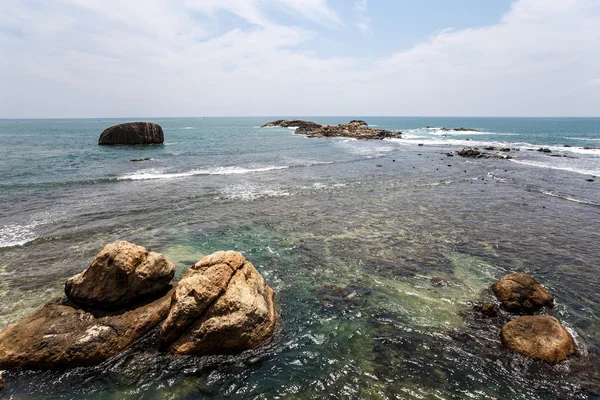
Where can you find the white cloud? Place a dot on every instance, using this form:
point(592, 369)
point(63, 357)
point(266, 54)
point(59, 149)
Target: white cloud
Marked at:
point(361, 10)
point(594, 82)
point(78, 58)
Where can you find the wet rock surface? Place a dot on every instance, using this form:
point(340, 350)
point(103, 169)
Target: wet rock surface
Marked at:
point(541, 337)
point(520, 293)
point(221, 305)
point(61, 335)
point(132, 133)
point(121, 274)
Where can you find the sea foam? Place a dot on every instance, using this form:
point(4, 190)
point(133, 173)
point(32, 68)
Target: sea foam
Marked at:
point(161, 174)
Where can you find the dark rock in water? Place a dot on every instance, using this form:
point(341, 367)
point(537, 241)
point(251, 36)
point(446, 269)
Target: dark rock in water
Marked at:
point(490, 148)
point(521, 294)
point(132, 133)
point(60, 335)
point(292, 123)
point(221, 305)
point(544, 150)
point(469, 152)
point(589, 180)
point(487, 311)
point(567, 145)
point(1, 383)
point(121, 274)
point(541, 337)
point(141, 159)
point(463, 129)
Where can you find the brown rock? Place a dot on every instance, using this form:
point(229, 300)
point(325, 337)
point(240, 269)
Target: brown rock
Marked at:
point(1, 383)
point(540, 336)
point(61, 336)
point(221, 305)
point(522, 294)
point(488, 311)
point(121, 274)
point(132, 133)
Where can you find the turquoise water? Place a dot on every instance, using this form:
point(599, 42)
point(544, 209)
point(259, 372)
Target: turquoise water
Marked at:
point(354, 236)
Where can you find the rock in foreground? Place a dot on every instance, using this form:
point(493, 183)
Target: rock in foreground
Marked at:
point(221, 305)
point(61, 336)
point(541, 337)
point(358, 129)
point(120, 275)
point(132, 133)
point(522, 294)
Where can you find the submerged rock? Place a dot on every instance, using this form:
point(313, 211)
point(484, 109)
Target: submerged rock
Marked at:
point(469, 152)
point(522, 294)
point(132, 133)
point(61, 335)
point(221, 305)
point(541, 337)
point(487, 311)
point(121, 274)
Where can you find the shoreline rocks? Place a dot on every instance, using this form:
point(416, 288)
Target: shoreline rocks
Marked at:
point(520, 293)
point(132, 133)
point(222, 305)
point(121, 274)
point(358, 129)
point(541, 337)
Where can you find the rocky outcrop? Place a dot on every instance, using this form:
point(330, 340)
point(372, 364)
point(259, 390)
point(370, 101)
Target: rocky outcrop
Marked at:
point(353, 129)
point(291, 123)
point(521, 294)
point(61, 335)
point(120, 275)
point(132, 133)
point(461, 129)
point(541, 337)
point(221, 305)
point(356, 128)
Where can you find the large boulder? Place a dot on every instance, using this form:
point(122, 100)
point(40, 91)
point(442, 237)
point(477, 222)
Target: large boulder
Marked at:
point(520, 293)
point(221, 305)
point(132, 133)
point(62, 335)
point(120, 275)
point(540, 336)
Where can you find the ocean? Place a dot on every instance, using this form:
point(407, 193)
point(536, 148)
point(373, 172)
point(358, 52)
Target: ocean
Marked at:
point(378, 251)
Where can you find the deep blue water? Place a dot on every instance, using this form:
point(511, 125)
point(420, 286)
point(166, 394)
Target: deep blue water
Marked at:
point(378, 220)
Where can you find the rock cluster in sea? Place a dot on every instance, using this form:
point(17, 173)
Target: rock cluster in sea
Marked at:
point(132, 133)
point(541, 337)
point(357, 129)
point(221, 305)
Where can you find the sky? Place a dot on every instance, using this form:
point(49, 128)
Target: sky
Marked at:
point(176, 58)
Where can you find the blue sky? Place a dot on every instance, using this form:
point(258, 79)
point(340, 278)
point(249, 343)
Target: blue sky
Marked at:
point(160, 58)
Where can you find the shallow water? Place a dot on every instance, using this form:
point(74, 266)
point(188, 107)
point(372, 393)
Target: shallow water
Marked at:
point(378, 252)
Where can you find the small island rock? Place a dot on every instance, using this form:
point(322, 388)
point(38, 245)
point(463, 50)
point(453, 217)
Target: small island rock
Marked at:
point(132, 133)
point(540, 337)
point(121, 274)
point(291, 123)
point(221, 305)
point(522, 294)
